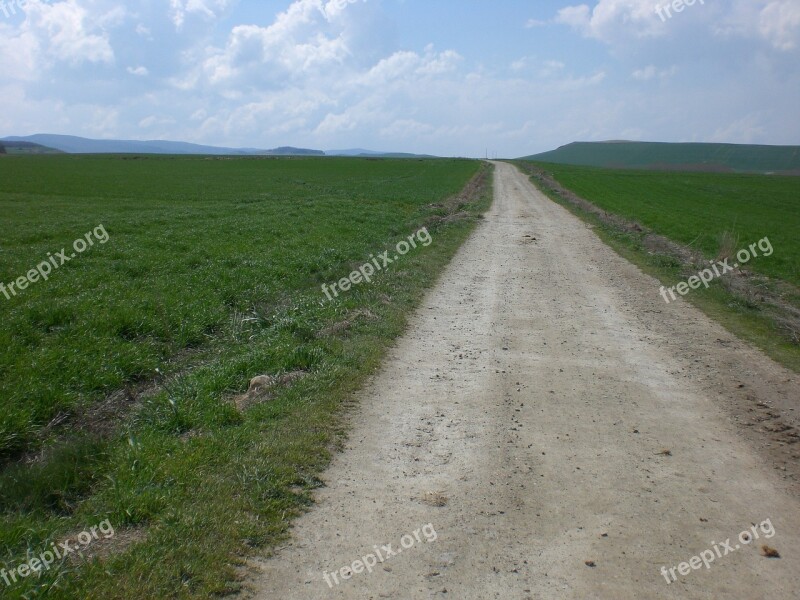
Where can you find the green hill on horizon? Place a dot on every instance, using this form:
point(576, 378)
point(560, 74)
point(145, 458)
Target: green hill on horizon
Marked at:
point(676, 156)
point(13, 147)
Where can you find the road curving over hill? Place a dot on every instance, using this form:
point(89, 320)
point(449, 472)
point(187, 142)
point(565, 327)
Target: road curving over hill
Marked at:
point(565, 433)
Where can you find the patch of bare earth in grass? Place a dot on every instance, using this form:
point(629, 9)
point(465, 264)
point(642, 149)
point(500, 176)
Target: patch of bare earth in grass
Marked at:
point(264, 387)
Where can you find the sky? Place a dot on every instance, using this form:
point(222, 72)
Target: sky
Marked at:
point(503, 77)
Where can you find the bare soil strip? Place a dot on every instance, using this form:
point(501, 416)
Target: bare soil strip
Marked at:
point(565, 432)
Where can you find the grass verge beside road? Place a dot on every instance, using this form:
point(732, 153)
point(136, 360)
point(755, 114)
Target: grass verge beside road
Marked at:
point(122, 373)
point(671, 224)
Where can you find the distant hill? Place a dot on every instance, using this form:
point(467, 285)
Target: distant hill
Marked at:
point(361, 153)
point(679, 157)
point(353, 152)
point(12, 147)
point(292, 151)
point(78, 145)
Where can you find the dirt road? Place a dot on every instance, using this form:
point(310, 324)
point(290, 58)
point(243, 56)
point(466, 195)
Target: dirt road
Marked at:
point(527, 414)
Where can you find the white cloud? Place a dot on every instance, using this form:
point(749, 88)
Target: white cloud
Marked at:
point(779, 23)
point(335, 8)
point(776, 22)
point(519, 64)
point(651, 72)
point(18, 54)
point(138, 71)
point(579, 17)
point(406, 128)
point(306, 38)
point(542, 68)
point(104, 121)
point(68, 33)
point(613, 21)
point(206, 9)
point(393, 67)
point(746, 130)
point(437, 64)
point(551, 67)
point(334, 124)
point(616, 22)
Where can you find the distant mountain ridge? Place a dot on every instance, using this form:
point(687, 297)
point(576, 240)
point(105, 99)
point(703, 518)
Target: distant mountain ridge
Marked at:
point(353, 152)
point(71, 144)
point(362, 153)
point(78, 145)
point(744, 158)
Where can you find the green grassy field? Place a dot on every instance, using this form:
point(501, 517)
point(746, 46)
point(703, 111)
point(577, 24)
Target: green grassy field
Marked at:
point(699, 208)
point(210, 275)
point(710, 213)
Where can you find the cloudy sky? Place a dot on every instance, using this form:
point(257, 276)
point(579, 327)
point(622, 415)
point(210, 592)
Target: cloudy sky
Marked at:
point(512, 77)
